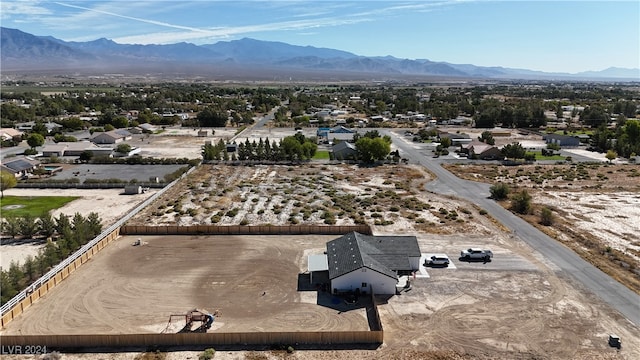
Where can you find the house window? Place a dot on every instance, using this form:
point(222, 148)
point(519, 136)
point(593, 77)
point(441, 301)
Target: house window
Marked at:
point(364, 285)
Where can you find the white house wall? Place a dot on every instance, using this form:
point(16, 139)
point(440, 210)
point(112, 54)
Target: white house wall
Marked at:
point(381, 284)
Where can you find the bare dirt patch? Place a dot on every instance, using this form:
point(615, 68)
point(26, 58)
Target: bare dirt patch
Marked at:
point(595, 207)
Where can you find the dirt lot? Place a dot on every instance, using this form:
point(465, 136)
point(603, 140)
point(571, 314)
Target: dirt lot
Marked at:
point(595, 207)
point(252, 282)
point(387, 197)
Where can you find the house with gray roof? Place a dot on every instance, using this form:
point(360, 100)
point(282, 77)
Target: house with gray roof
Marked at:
point(561, 140)
point(112, 137)
point(344, 150)
point(358, 262)
point(20, 167)
point(74, 149)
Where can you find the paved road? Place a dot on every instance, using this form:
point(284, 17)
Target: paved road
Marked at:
point(612, 292)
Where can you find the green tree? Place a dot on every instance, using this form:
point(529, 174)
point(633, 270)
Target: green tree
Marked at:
point(120, 122)
point(514, 151)
point(209, 152)
point(521, 202)
point(546, 216)
point(62, 222)
point(292, 148)
point(11, 226)
point(28, 226)
point(487, 137)
point(15, 275)
point(487, 118)
point(7, 181)
point(86, 156)
point(445, 142)
point(40, 128)
point(46, 225)
point(49, 255)
point(35, 140)
point(29, 268)
point(210, 117)
point(123, 148)
point(8, 290)
point(499, 191)
point(94, 224)
point(594, 116)
point(559, 111)
point(309, 149)
point(370, 150)
point(611, 155)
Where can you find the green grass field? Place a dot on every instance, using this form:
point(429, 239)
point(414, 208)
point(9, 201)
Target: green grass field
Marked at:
point(32, 205)
point(539, 156)
point(321, 155)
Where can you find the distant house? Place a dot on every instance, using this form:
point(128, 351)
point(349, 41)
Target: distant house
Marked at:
point(482, 151)
point(112, 137)
point(10, 134)
point(456, 139)
point(203, 133)
point(341, 130)
point(335, 133)
point(28, 126)
point(20, 167)
point(147, 127)
point(74, 149)
point(357, 262)
point(562, 140)
point(344, 150)
point(460, 121)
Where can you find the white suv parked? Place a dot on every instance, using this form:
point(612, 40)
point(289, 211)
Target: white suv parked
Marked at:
point(437, 260)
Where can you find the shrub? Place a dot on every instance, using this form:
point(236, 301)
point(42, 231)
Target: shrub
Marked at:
point(546, 217)
point(499, 191)
point(207, 354)
point(521, 202)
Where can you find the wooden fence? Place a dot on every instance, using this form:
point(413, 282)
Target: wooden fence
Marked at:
point(244, 230)
point(236, 339)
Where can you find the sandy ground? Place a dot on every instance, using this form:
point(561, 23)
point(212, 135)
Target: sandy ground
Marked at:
point(251, 281)
point(612, 218)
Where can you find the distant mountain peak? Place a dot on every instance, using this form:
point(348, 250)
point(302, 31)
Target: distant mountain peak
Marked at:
point(23, 51)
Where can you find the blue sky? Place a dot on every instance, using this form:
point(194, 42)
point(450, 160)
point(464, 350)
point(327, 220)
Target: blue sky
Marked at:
point(562, 36)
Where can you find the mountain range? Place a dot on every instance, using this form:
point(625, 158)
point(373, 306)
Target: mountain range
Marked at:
point(23, 52)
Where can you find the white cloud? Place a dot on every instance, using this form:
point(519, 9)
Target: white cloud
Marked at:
point(22, 8)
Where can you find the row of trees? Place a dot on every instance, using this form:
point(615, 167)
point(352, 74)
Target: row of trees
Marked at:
point(69, 234)
point(623, 140)
point(290, 148)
